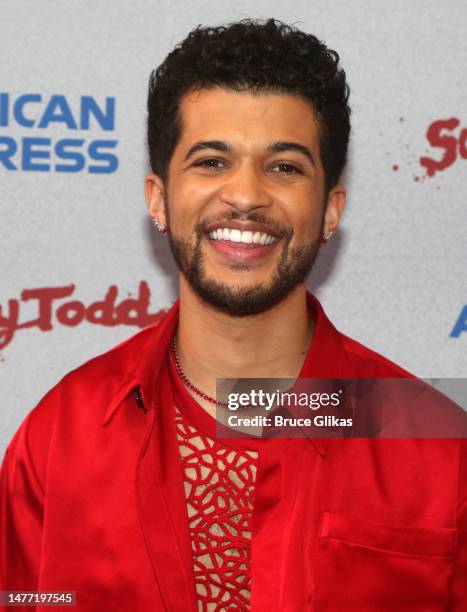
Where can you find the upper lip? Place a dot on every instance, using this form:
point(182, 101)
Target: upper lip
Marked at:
point(244, 226)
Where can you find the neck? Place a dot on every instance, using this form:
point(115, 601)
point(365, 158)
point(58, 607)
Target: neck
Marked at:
point(212, 344)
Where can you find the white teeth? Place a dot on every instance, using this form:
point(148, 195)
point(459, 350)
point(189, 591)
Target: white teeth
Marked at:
point(247, 237)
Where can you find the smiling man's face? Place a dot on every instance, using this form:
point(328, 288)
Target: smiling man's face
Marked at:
point(245, 197)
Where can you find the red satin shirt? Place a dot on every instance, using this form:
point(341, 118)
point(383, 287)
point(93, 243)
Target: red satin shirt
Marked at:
point(92, 498)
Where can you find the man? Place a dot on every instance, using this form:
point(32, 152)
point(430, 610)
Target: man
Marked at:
point(116, 487)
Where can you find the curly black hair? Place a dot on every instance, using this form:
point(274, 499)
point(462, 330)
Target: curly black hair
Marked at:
point(251, 55)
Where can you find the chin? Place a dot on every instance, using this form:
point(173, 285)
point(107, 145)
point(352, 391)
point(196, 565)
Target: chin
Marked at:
point(238, 300)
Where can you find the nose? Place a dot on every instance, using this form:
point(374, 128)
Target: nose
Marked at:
point(244, 189)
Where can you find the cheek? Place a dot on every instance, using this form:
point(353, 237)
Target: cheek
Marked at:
point(306, 219)
point(187, 202)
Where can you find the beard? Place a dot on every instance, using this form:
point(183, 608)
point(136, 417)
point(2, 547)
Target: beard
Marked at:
point(294, 265)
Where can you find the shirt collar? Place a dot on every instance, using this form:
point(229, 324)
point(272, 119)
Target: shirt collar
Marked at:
point(324, 357)
point(323, 360)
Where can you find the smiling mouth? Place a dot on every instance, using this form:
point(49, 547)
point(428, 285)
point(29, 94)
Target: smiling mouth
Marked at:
point(237, 236)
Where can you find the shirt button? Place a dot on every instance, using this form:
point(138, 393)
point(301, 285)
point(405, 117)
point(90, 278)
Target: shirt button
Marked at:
point(139, 399)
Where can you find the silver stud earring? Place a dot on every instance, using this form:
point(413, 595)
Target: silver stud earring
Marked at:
point(326, 237)
point(160, 226)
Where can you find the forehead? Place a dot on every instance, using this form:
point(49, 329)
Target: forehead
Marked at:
point(247, 119)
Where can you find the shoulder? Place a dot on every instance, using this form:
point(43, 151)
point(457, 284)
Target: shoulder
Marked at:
point(81, 397)
point(344, 355)
point(108, 371)
point(361, 361)
point(365, 362)
point(114, 365)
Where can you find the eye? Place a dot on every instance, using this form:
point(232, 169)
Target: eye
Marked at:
point(286, 168)
point(210, 163)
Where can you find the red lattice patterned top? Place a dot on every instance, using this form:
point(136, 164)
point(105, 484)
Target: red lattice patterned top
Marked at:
point(219, 482)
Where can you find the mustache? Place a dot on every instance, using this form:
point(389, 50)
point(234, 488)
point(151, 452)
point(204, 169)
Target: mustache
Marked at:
point(283, 230)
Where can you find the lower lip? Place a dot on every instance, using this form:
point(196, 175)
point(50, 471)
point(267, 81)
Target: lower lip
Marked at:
point(241, 251)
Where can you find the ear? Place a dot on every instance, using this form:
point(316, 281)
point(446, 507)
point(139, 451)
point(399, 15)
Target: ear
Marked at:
point(155, 198)
point(334, 208)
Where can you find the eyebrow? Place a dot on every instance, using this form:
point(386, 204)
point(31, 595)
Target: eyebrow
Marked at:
point(217, 145)
point(284, 145)
point(278, 146)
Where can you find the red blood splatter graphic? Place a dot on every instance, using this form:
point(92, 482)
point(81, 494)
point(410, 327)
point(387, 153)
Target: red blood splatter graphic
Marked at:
point(438, 136)
point(395, 167)
point(102, 312)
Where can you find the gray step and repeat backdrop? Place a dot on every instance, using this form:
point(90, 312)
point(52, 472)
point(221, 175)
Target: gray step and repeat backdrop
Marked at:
point(82, 268)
